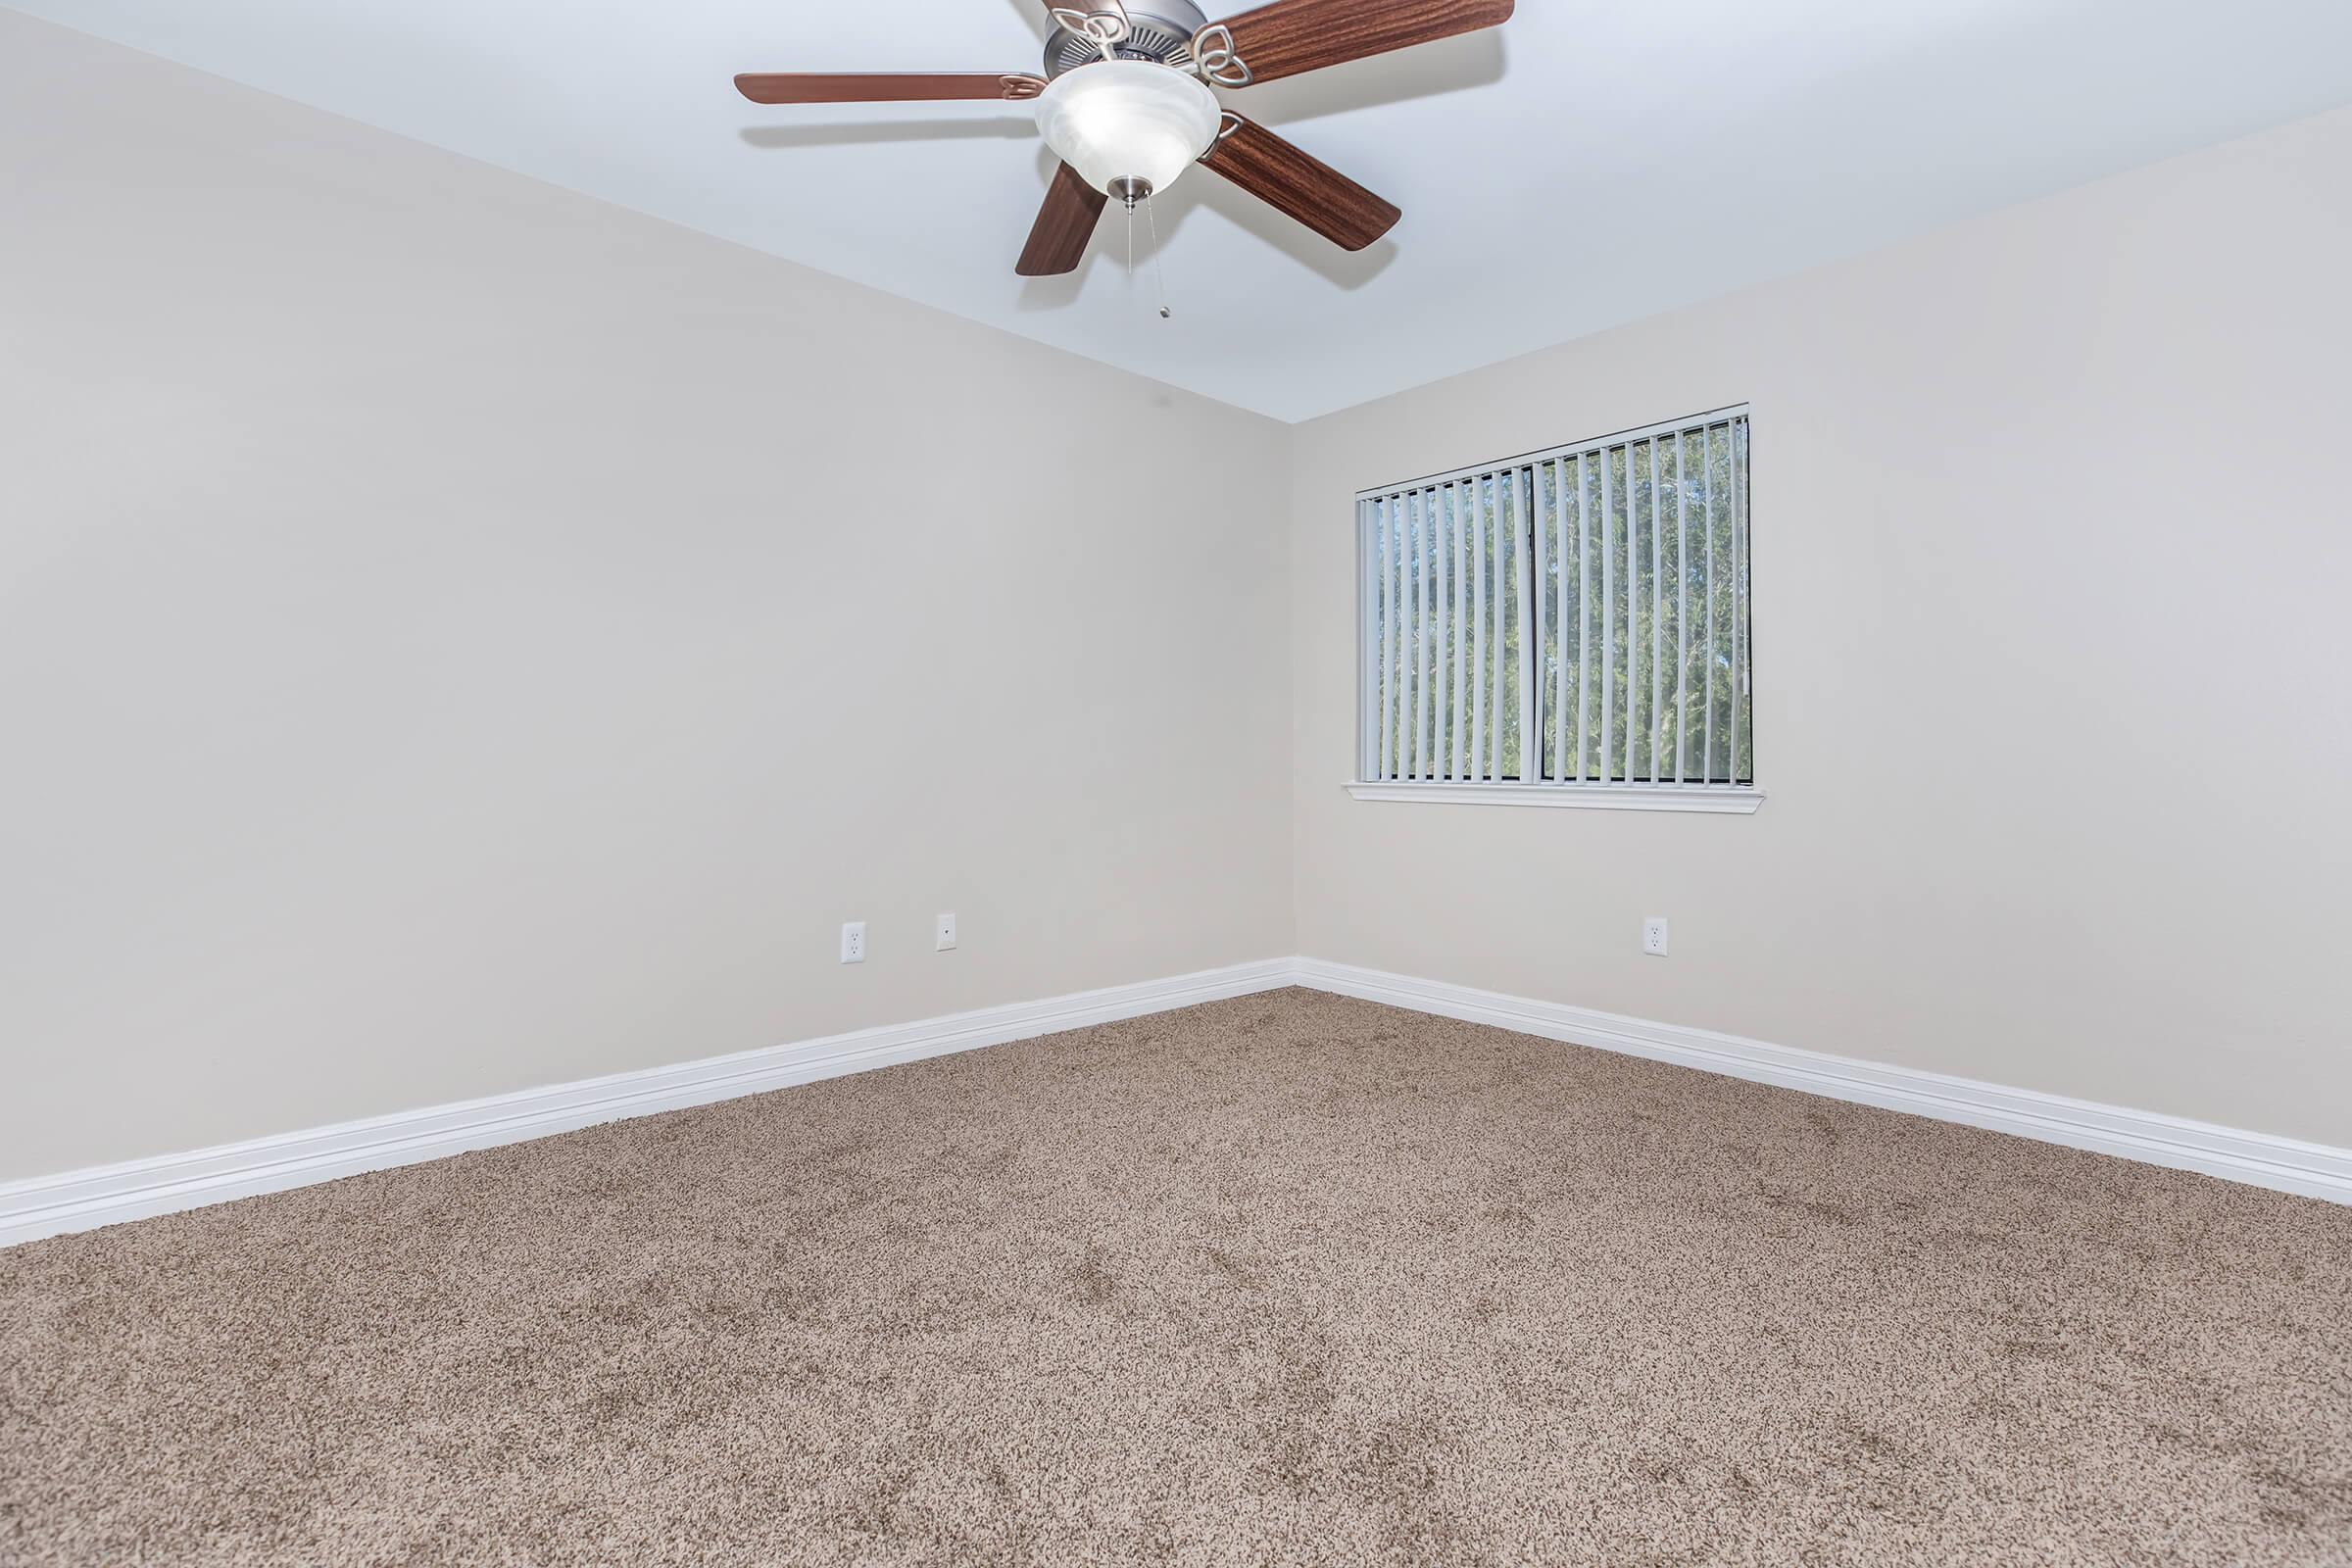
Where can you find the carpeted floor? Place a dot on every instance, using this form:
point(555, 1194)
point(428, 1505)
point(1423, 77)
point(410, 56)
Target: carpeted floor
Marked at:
point(1288, 1279)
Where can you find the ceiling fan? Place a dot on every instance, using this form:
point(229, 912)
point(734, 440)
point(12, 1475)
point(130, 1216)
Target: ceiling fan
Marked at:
point(1125, 101)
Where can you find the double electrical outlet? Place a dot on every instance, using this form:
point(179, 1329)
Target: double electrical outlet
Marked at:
point(853, 938)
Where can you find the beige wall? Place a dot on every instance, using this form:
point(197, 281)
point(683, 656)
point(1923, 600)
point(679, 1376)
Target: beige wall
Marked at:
point(457, 636)
point(2053, 539)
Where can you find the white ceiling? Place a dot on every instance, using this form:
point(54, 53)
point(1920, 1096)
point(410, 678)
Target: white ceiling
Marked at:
point(1583, 166)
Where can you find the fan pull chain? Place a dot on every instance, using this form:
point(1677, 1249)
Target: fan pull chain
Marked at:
point(1158, 277)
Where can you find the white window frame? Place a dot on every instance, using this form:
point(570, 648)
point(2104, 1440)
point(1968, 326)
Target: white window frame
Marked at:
point(1369, 784)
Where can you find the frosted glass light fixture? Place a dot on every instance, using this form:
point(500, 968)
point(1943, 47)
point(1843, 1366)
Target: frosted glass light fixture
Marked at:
point(1128, 126)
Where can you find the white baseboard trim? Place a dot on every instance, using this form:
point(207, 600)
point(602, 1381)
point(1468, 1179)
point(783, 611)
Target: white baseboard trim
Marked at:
point(81, 1199)
point(2282, 1164)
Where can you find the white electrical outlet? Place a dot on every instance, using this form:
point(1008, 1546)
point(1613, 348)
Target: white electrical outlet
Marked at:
point(853, 942)
point(1653, 936)
point(944, 932)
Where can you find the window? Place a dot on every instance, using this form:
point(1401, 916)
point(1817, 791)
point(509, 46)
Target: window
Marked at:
point(1568, 628)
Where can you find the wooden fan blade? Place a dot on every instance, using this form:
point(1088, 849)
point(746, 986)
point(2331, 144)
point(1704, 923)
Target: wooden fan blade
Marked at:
point(830, 88)
point(1289, 36)
point(1064, 224)
point(1306, 187)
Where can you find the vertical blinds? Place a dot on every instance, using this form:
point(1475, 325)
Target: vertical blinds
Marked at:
point(1577, 618)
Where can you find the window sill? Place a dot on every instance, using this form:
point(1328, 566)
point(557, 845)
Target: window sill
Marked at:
point(1718, 799)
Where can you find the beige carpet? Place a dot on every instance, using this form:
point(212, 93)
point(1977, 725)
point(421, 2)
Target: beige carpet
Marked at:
point(1289, 1278)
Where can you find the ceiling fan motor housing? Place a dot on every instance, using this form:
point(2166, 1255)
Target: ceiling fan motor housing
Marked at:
point(1159, 30)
